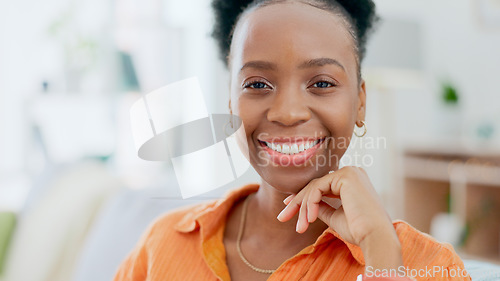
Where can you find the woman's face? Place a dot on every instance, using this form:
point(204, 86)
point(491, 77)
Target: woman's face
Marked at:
point(294, 84)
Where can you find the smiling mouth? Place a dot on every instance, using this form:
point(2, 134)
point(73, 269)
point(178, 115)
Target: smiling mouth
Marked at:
point(295, 152)
point(291, 148)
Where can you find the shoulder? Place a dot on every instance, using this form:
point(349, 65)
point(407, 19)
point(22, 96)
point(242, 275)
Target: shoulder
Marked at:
point(177, 220)
point(187, 219)
point(421, 249)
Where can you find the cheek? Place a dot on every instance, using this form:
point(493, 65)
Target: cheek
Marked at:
point(250, 114)
point(338, 115)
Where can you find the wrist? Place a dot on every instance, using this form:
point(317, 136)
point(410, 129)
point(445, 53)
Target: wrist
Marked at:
point(382, 250)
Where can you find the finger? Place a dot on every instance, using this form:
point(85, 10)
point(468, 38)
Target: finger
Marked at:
point(327, 186)
point(332, 196)
point(289, 211)
point(319, 190)
point(331, 184)
point(312, 212)
point(340, 225)
point(302, 223)
point(288, 199)
point(325, 213)
point(314, 198)
point(336, 220)
point(323, 184)
point(333, 202)
point(293, 206)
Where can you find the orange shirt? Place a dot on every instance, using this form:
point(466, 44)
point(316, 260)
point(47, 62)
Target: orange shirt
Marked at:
point(187, 244)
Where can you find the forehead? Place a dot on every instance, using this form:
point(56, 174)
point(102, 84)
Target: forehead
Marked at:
point(285, 32)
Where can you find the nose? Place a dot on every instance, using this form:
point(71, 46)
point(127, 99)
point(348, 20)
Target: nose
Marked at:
point(289, 108)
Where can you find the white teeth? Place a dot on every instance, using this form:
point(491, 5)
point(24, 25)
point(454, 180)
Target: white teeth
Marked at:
point(301, 147)
point(307, 146)
point(293, 148)
point(278, 148)
point(285, 149)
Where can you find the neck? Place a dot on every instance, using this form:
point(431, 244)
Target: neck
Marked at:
point(262, 223)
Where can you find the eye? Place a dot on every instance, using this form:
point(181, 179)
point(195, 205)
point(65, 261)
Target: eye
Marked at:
point(323, 84)
point(256, 85)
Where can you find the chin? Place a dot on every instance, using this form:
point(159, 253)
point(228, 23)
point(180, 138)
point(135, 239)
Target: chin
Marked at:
point(291, 181)
point(275, 169)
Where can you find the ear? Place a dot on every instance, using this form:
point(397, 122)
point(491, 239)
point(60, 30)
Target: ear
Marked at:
point(361, 102)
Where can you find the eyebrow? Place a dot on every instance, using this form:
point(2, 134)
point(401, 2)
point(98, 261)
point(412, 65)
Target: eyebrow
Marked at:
point(258, 64)
point(265, 65)
point(321, 62)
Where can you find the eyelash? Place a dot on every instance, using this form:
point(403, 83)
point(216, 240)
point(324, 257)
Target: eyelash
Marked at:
point(249, 84)
point(331, 84)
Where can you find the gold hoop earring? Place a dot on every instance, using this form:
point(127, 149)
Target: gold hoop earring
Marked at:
point(225, 128)
point(231, 120)
point(231, 113)
point(362, 126)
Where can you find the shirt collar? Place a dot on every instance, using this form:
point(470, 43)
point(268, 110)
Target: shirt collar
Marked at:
point(209, 216)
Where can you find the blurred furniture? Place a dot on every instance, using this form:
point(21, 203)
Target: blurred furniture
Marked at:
point(51, 231)
point(459, 180)
point(118, 228)
point(482, 271)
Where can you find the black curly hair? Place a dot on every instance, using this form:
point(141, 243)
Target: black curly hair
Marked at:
point(359, 16)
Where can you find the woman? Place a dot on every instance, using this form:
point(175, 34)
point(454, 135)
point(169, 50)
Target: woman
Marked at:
point(297, 87)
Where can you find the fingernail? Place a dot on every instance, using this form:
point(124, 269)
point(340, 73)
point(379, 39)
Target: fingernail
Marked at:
point(288, 199)
point(280, 215)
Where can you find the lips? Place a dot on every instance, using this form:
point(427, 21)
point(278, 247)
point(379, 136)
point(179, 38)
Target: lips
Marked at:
point(291, 148)
point(291, 151)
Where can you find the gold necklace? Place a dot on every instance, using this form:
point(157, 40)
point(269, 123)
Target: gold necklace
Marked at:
point(238, 241)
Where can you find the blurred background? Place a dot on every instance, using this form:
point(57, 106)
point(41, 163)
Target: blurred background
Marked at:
point(74, 196)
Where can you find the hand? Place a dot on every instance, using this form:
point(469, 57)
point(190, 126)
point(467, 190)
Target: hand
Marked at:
point(361, 218)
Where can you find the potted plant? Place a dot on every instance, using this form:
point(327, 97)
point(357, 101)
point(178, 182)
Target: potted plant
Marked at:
point(451, 112)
